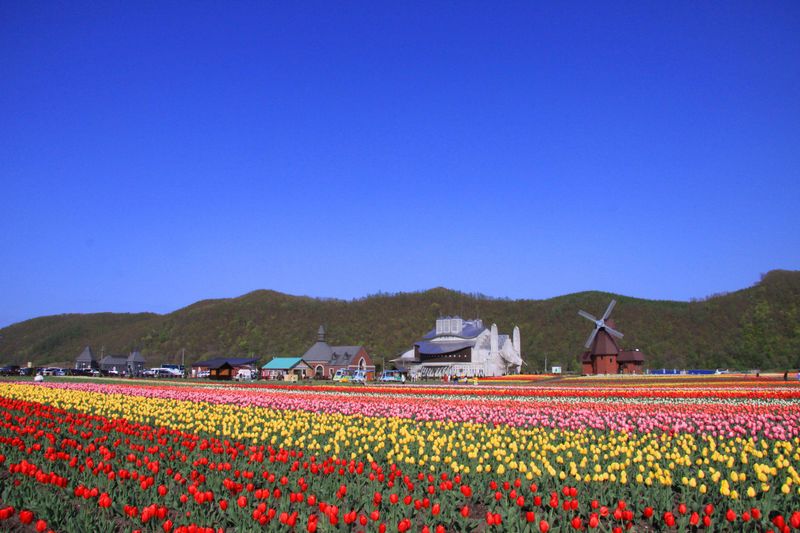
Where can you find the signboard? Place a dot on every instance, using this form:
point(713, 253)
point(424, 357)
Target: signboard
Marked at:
point(556, 369)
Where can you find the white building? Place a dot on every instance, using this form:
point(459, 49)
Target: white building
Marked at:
point(458, 347)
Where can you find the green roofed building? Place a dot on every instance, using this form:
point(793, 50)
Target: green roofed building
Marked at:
point(278, 367)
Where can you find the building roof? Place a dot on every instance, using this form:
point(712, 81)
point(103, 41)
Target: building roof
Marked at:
point(438, 348)
point(319, 351)
point(283, 363)
point(469, 330)
point(630, 356)
point(221, 361)
point(136, 357)
point(86, 356)
point(322, 352)
point(604, 344)
point(114, 360)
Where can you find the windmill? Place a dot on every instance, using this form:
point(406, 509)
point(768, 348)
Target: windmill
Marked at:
point(600, 324)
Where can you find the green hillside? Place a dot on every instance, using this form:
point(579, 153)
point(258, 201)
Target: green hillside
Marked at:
point(757, 327)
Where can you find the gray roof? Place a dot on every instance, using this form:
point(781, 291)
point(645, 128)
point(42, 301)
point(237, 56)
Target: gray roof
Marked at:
point(438, 348)
point(136, 357)
point(469, 331)
point(86, 356)
point(114, 360)
point(333, 355)
point(320, 351)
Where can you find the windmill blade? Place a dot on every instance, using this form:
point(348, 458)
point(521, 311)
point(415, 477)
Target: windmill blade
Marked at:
point(591, 338)
point(614, 332)
point(608, 311)
point(584, 314)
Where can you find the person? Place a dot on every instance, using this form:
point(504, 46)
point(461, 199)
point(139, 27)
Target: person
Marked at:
point(786, 376)
point(39, 378)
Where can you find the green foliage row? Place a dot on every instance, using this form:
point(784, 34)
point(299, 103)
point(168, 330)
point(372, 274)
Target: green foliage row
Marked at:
point(757, 327)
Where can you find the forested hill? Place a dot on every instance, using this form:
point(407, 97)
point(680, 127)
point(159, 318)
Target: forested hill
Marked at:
point(757, 327)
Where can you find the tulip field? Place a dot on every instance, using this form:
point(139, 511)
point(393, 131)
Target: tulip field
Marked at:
point(582, 455)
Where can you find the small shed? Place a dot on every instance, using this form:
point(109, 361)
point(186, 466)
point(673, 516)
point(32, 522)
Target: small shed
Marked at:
point(279, 367)
point(224, 367)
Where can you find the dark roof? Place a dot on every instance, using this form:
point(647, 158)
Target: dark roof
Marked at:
point(86, 356)
point(630, 356)
point(136, 357)
point(586, 357)
point(114, 360)
point(604, 344)
point(438, 348)
point(221, 361)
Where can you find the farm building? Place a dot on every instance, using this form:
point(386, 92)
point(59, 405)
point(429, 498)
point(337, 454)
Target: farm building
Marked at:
point(86, 360)
point(458, 347)
point(281, 366)
point(132, 365)
point(223, 367)
point(325, 359)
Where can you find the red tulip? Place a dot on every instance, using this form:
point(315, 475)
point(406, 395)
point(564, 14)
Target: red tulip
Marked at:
point(544, 527)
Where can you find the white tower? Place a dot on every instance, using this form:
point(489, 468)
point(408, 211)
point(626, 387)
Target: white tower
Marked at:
point(516, 342)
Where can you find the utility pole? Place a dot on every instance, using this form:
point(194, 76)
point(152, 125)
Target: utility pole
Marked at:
point(545, 364)
point(183, 362)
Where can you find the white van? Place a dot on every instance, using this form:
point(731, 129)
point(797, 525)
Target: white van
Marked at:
point(245, 374)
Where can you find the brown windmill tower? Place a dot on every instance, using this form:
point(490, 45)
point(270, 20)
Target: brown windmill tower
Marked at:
point(602, 349)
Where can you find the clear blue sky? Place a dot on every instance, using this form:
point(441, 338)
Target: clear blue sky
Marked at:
point(153, 155)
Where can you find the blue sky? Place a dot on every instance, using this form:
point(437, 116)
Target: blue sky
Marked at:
point(154, 155)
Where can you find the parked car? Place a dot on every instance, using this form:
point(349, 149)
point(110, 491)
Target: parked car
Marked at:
point(360, 376)
point(162, 372)
point(392, 376)
point(9, 370)
point(245, 374)
point(27, 371)
point(343, 374)
point(203, 373)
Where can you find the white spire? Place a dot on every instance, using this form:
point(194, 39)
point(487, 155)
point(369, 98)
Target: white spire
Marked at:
point(494, 340)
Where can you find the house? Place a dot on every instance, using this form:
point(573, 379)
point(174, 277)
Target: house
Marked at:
point(281, 366)
point(325, 359)
point(223, 367)
point(87, 360)
point(458, 347)
point(132, 365)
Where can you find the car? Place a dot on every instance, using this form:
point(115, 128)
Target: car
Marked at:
point(343, 375)
point(203, 373)
point(162, 372)
point(392, 376)
point(360, 376)
point(9, 370)
point(26, 371)
point(58, 372)
point(245, 374)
